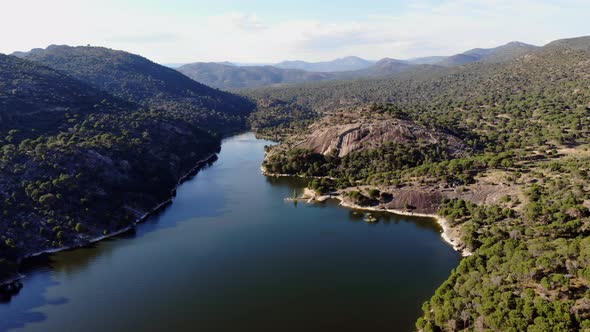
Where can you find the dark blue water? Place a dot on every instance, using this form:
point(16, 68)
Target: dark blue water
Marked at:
point(231, 255)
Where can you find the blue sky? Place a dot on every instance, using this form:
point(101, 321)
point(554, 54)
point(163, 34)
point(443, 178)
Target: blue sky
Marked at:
point(271, 31)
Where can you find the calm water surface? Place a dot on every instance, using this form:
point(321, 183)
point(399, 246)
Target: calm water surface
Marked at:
point(231, 255)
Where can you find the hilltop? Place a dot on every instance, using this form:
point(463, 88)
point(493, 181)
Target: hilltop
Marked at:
point(139, 80)
point(31, 93)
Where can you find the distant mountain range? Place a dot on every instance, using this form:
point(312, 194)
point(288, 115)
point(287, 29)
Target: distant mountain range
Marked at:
point(229, 75)
point(429, 60)
point(350, 63)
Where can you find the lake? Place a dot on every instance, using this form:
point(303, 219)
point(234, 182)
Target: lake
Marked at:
point(230, 254)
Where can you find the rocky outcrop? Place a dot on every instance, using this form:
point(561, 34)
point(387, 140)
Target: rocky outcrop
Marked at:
point(343, 139)
point(421, 201)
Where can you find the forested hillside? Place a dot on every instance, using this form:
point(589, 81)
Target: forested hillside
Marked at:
point(445, 96)
point(498, 54)
point(229, 77)
point(77, 163)
point(516, 197)
point(137, 79)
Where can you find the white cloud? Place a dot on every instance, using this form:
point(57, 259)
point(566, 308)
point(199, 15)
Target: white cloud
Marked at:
point(247, 22)
point(151, 38)
point(423, 29)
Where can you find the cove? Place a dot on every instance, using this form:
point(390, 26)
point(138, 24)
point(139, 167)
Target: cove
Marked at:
point(230, 254)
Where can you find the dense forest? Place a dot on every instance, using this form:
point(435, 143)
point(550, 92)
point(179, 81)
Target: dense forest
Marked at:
point(139, 80)
point(78, 162)
point(518, 193)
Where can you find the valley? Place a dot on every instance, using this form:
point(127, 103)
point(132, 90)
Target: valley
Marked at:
point(297, 262)
point(491, 143)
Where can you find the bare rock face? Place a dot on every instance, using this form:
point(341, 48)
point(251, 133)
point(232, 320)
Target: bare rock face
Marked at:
point(346, 138)
point(418, 199)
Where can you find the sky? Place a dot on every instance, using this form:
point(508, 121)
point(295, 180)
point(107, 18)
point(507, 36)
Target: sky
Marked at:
point(265, 31)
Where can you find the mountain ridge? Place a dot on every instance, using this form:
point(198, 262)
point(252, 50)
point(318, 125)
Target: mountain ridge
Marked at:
point(349, 63)
point(139, 80)
point(229, 77)
point(233, 77)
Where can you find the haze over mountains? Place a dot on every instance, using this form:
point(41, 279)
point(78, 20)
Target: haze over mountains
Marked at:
point(349, 63)
point(229, 76)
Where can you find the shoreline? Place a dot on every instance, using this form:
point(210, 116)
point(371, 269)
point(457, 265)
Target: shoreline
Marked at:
point(442, 222)
point(281, 175)
point(199, 164)
point(310, 196)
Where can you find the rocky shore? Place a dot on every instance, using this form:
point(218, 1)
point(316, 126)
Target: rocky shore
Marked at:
point(279, 175)
point(450, 235)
